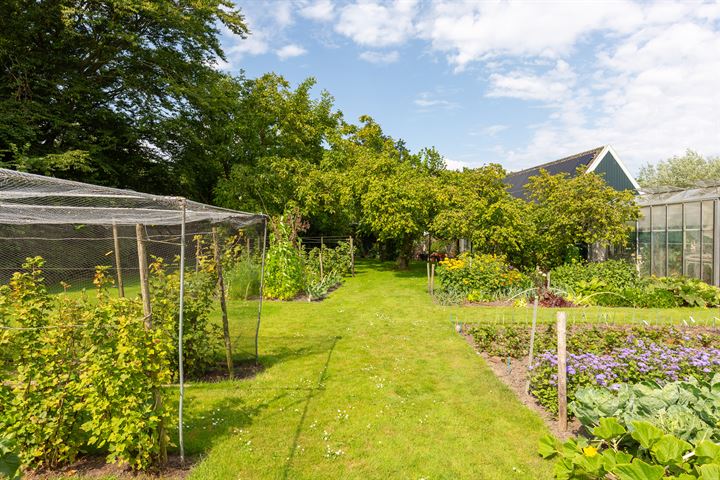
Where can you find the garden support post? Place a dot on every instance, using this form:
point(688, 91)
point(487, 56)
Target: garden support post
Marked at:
point(181, 319)
point(427, 265)
point(352, 256)
point(223, 304)
point(432, 279)
point(532, 339)
point(562, 371)
point(322, 247)
point(262, 287)
point(198, 252)
point(118, 266)
point(144, 280)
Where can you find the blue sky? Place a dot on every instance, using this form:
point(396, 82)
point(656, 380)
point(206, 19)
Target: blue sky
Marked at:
point(517, 83)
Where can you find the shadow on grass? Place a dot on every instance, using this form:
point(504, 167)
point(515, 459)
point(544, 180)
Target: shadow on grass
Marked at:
point(416, 269)
point(311, 394)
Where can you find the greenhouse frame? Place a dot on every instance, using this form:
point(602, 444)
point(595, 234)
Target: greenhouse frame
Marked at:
point(678, 233)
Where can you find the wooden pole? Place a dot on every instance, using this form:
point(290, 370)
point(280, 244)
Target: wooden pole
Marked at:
point(352, 256)
point(532, 339)
point(427, 265)
point(562, 371)
point(432, 279)
point(147, 310)
point(118, 266)
point(322, 247)
point(144, 274)
point(247, 245)
point(198, 252)
point(223, 305)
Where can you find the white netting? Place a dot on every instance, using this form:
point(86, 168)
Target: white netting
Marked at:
point(75, 228)
point(34, 199)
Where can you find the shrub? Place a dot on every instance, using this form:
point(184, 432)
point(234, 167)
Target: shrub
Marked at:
point(480, 277)
point(284, 272)
point(9, 460)
point(83, 375)
point(201, 338)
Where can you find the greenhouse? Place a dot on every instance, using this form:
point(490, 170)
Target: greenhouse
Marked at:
point(677, 233)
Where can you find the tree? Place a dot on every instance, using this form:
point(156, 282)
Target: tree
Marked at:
point(578, 210)
point(278, 138)
point(474, 204)
point(101, 77)
point(680, 171)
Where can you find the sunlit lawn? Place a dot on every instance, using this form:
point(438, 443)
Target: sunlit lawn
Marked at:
point(373, 382)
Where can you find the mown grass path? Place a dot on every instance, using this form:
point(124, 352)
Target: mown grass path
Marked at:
point(371, 383)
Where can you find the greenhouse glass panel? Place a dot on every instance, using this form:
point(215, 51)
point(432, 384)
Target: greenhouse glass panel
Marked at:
point(659, 216)
point(644, 241)
point(692, 216)
point(675, 239)
point(691, 253)
point(707, 256)
point(658, 253)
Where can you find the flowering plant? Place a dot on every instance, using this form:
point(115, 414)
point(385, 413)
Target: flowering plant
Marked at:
point(480, 277)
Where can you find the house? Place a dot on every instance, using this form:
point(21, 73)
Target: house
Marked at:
point(602, 160)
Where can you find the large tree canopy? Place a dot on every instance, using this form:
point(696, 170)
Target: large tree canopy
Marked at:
point(680, 171)
point(96, 78)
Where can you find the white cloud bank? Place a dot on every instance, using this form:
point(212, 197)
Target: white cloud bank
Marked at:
point(290, 51)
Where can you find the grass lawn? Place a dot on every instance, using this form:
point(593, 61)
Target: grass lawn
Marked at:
point(370, 383)
point(373, 382)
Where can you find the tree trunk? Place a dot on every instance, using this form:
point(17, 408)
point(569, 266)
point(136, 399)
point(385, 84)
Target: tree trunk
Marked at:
point(403, 260)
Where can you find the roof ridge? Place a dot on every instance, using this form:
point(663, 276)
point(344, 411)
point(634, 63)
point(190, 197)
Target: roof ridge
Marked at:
point(565, 159)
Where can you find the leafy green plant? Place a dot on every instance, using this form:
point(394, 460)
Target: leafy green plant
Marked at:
point(84, 374)
point(9, 460)
point(635, 451)
point(201, 338)
point(480, 277)
point(284, 273)
point(243, 278)
point(689, 409)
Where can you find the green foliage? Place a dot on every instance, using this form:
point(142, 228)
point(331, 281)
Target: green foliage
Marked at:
point(284, 274)
point(634, 450)
point(680, 171)
point(82, 374)
point(481, 277)
point(616, 283)
point(578, 210)
point(243, 278)
point(474, 204)
point(89, 85)
point(201, 338)
point(9, 460)
point(689, 410)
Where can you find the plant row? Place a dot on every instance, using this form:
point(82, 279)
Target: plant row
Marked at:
point(82, 375)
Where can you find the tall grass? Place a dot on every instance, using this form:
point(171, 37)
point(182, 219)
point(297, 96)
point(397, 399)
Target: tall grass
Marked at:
point(243, 279)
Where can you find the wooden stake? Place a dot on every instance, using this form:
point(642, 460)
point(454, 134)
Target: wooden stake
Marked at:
point(198, 252)
point(147, 310)
point(118, 266)
point(562, 371)
point(144, 274)
point(223, 305)
point(432, 279)
point(322, 246)
point(532, 339)
point(247, 245)
point(427, 265)
point(352, 256)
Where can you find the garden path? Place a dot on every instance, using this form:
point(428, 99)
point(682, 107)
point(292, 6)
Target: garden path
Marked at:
point(372, 382)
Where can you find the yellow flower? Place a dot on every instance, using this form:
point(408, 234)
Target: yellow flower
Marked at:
point(590, 451)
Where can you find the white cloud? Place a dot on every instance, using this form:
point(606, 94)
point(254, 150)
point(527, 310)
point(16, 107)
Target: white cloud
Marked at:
point(380, 57)
point(490, 130)
point(282, 13)
point(427, 100)
point(468, 32)
point(376, 25)
point(321, 10)
point(553, 85)
point(455, 164)
point(290, 51)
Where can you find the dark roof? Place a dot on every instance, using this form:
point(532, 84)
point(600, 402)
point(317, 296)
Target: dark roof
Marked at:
point(517, 180)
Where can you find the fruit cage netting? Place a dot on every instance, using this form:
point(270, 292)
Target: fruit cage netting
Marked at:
point(76, 227)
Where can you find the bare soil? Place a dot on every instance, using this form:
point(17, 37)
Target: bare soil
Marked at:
point(95, 467)
point(516, 379)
